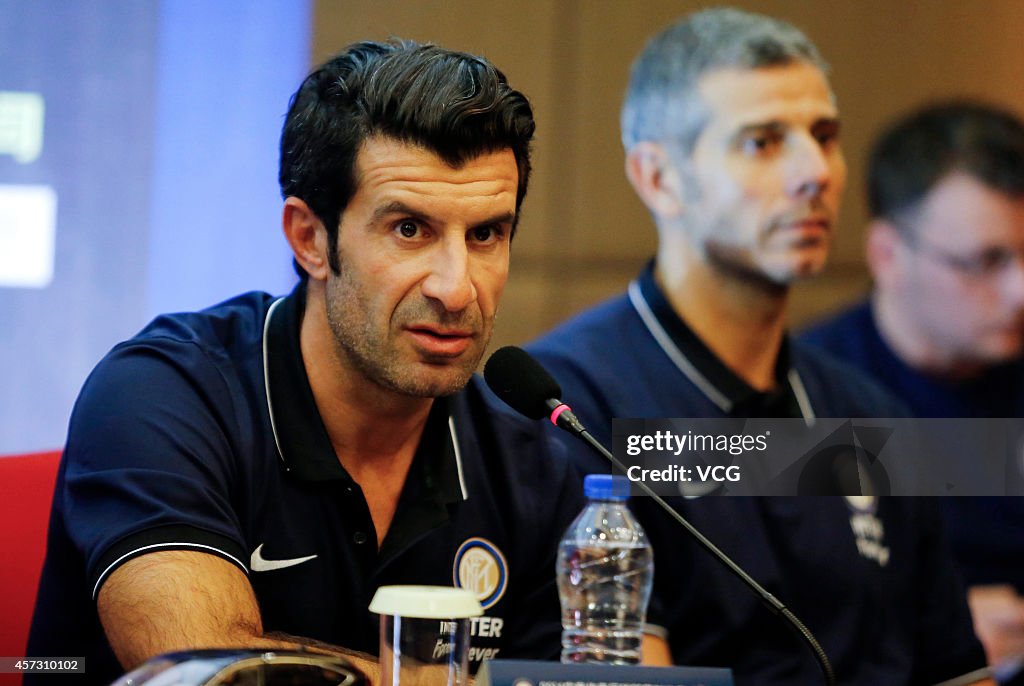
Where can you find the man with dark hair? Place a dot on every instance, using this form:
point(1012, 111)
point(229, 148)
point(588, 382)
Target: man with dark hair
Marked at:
point(944, 326)
point(413, 100)
point(250, 474)
point(731, 136)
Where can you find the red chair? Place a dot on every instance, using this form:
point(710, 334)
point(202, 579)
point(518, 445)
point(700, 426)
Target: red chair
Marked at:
point(26, 491)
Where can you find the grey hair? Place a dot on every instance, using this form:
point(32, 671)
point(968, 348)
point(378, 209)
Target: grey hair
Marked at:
point(662, 103)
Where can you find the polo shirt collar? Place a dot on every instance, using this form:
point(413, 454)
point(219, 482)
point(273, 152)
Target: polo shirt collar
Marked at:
point(302, 441)
point(705, 370)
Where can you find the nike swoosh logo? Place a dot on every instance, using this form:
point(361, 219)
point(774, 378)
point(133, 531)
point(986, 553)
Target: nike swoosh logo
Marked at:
point(258, 564)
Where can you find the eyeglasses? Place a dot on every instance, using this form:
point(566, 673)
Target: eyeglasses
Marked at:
point(986, 264)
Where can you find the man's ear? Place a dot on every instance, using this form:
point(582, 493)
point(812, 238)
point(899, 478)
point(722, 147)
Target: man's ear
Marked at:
point(307, 237)
point(882, 251)
point(656, 179)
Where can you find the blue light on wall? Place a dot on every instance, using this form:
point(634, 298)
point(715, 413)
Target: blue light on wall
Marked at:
point(152, 187)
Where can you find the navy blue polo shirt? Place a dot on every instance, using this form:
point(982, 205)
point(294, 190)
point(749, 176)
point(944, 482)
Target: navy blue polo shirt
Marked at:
point(985, 531)
point(852, 336)
point(201, 433)
point(873, 582)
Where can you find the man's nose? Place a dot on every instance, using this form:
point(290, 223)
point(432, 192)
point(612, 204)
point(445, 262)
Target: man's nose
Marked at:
point(811, 168)
point(449, 281)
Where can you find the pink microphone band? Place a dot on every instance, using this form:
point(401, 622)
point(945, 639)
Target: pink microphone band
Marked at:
point(558, 411)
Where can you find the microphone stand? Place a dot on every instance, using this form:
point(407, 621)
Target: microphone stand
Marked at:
point(563, 418)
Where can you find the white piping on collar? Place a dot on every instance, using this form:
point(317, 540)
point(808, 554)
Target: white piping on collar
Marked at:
point(273, 424)
point(977, 675)
point(802, 399)
point(672, 350)
point(458, 456)
point(266, 379)
point(661, 337)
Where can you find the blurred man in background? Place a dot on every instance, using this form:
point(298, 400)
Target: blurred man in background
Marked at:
point(943, 328)
point(731, 133)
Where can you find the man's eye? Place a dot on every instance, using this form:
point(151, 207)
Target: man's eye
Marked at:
point(761, 143)
point(826, 135)
point(992, 260)
point(408, 229)
point(824, 139)
point(486, 233)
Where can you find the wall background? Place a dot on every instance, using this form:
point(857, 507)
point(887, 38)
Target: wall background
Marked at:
point(584, 234)
point(162, 121)
point(159, 143)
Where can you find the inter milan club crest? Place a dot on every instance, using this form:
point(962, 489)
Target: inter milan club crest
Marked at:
point(481, 568)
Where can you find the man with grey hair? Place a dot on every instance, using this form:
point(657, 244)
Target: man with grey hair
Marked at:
point(731, 135)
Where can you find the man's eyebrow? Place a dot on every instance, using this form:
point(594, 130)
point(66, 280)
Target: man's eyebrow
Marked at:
point(832, 123)
point(771, 126)
point(397, 207)
point(503, 218)
point(775, 126)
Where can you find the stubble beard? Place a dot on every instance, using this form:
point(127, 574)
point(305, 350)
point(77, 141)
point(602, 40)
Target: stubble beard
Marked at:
point(371, 352)
point(729, 263)
point(736, 263)
point(739, 264)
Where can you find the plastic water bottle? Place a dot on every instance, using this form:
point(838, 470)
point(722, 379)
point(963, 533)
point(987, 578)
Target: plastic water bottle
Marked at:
point(605, 572)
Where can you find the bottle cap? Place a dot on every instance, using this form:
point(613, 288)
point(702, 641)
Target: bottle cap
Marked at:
point(425, 602)
point(606, 487)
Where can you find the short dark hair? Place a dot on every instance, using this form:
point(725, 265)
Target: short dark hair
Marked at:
point(457, 105)
point(919, 150)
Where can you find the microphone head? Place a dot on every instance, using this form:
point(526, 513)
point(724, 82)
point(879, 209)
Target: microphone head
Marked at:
point(521, 382)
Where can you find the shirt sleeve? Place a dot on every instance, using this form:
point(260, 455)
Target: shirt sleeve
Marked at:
point(149, 458)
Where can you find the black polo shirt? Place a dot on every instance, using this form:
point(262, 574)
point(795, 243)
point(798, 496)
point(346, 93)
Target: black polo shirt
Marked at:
point(873, 581)
point(738, 398)
point(201, 433)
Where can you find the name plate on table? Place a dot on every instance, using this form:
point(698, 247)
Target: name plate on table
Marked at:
point(541, 673)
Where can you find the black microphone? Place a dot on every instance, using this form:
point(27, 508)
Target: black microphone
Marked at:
point(525, 386)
